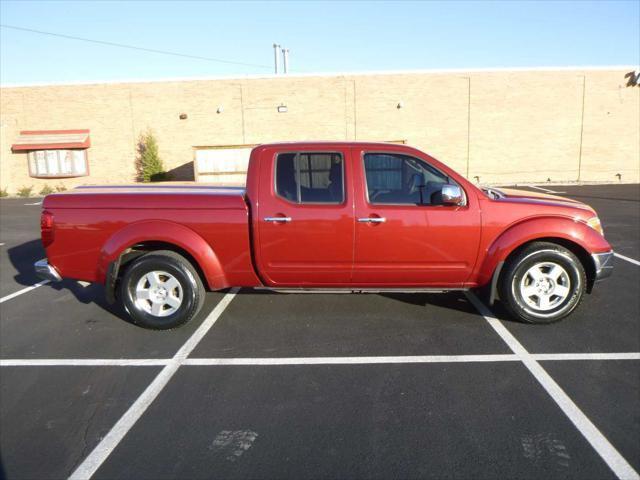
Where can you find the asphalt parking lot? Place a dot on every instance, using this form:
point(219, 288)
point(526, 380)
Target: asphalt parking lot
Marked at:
point(266, 385)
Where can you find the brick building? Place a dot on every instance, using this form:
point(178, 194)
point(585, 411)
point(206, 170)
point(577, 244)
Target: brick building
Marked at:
point(494, 126)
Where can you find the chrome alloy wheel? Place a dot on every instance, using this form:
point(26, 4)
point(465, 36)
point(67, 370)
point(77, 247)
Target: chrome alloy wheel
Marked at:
point(545, 286)
point(159, 293)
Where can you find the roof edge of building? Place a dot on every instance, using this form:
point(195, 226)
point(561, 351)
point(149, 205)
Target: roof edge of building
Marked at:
point(330, 74)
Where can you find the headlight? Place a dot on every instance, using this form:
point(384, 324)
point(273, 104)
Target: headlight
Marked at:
point(594, 223)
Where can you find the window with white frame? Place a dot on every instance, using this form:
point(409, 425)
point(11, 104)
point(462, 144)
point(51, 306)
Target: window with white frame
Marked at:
point(58, 163)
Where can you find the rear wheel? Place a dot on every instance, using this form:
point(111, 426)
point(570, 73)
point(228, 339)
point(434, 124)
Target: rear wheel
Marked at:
point(543, 283)
point(161, 290)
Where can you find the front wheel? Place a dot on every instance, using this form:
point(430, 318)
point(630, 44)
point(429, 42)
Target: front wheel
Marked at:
point(542, 283)
point(161, 290)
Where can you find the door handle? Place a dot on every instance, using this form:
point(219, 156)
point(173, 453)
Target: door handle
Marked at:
point(372, 220)
point(277, 219)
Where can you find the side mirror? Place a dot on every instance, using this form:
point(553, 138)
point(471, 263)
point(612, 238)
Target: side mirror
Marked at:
point(452, 195)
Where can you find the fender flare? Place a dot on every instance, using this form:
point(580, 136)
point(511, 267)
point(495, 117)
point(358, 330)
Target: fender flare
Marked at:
point(538, 228)
point(166, 232)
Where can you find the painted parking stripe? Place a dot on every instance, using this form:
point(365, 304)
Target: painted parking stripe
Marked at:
point(102, 451)
point(630, 260)
point(84, 362)
point(587, 356)
point(146, 362)
point(24, 290)
point(408, 359)
point(544, 189)
point(143, 362)
point(598, 441)
point(353, 360)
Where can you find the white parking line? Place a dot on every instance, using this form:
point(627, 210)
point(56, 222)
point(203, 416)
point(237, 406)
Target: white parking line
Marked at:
point(24, 290)
point(353, 360)
point(598, 441)
point(274, 361)
point(408, 359)
point(36, 203)
point(2, 244)
point(84, 362)
point(102, 451)
point(631, 260)
point(587, 356)
point(544, 189)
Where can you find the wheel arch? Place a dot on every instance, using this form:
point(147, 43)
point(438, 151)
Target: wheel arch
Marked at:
point(567, 232)
point(139, 238)
point(574, 247)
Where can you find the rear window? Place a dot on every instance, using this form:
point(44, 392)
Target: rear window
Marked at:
point(310, 177)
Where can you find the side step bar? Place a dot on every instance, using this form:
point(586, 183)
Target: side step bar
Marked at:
point(361, 290)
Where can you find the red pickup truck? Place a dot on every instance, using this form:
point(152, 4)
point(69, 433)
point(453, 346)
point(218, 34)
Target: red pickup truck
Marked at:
point(325, 215)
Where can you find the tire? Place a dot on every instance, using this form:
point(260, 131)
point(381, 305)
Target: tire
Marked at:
point(161, 290)
point(542, 283)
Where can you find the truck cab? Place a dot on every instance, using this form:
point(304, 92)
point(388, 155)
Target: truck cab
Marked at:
point(366, 215)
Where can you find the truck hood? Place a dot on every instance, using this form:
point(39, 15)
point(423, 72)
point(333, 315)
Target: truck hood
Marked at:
point(524, 196)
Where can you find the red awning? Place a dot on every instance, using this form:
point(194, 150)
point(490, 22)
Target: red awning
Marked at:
point(51, 140)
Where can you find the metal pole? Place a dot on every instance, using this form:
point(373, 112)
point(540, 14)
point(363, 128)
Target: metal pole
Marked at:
point(285, 58)
point(276, 57)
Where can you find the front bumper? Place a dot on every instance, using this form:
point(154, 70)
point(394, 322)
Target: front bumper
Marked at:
point(46, 271)
point(603, 263)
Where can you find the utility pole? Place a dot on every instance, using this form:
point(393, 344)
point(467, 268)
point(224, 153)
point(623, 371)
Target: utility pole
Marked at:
point(285, 58)
point(276, 57)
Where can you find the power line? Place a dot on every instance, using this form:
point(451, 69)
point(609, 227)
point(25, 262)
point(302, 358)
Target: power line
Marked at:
point(133, 47)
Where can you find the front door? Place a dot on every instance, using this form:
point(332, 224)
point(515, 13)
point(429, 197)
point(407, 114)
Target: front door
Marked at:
point(305, 216)
point(404, 235)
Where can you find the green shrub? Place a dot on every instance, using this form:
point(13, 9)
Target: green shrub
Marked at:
point(25, 191)
point(149, 164)
point(46, 190)
point(61, 188)
point(3, 192)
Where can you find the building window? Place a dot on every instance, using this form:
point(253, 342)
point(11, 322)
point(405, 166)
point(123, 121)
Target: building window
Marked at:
point(58, 163)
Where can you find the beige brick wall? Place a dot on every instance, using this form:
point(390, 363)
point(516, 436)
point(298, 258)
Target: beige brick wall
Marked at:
point(500, 126)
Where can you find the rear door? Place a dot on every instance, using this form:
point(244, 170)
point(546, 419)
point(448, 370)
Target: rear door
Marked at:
point(305, 217)
point(404, 235)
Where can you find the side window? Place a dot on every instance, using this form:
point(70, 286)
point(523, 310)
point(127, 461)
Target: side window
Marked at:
point(400, 179)
point(310, 177)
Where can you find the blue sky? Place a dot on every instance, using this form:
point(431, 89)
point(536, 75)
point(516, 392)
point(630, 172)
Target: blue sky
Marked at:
point(322, 37)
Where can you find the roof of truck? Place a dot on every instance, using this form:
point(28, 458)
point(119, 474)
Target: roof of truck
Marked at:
point(337, 142)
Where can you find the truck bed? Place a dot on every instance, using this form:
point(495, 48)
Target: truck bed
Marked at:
point(92, 224)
